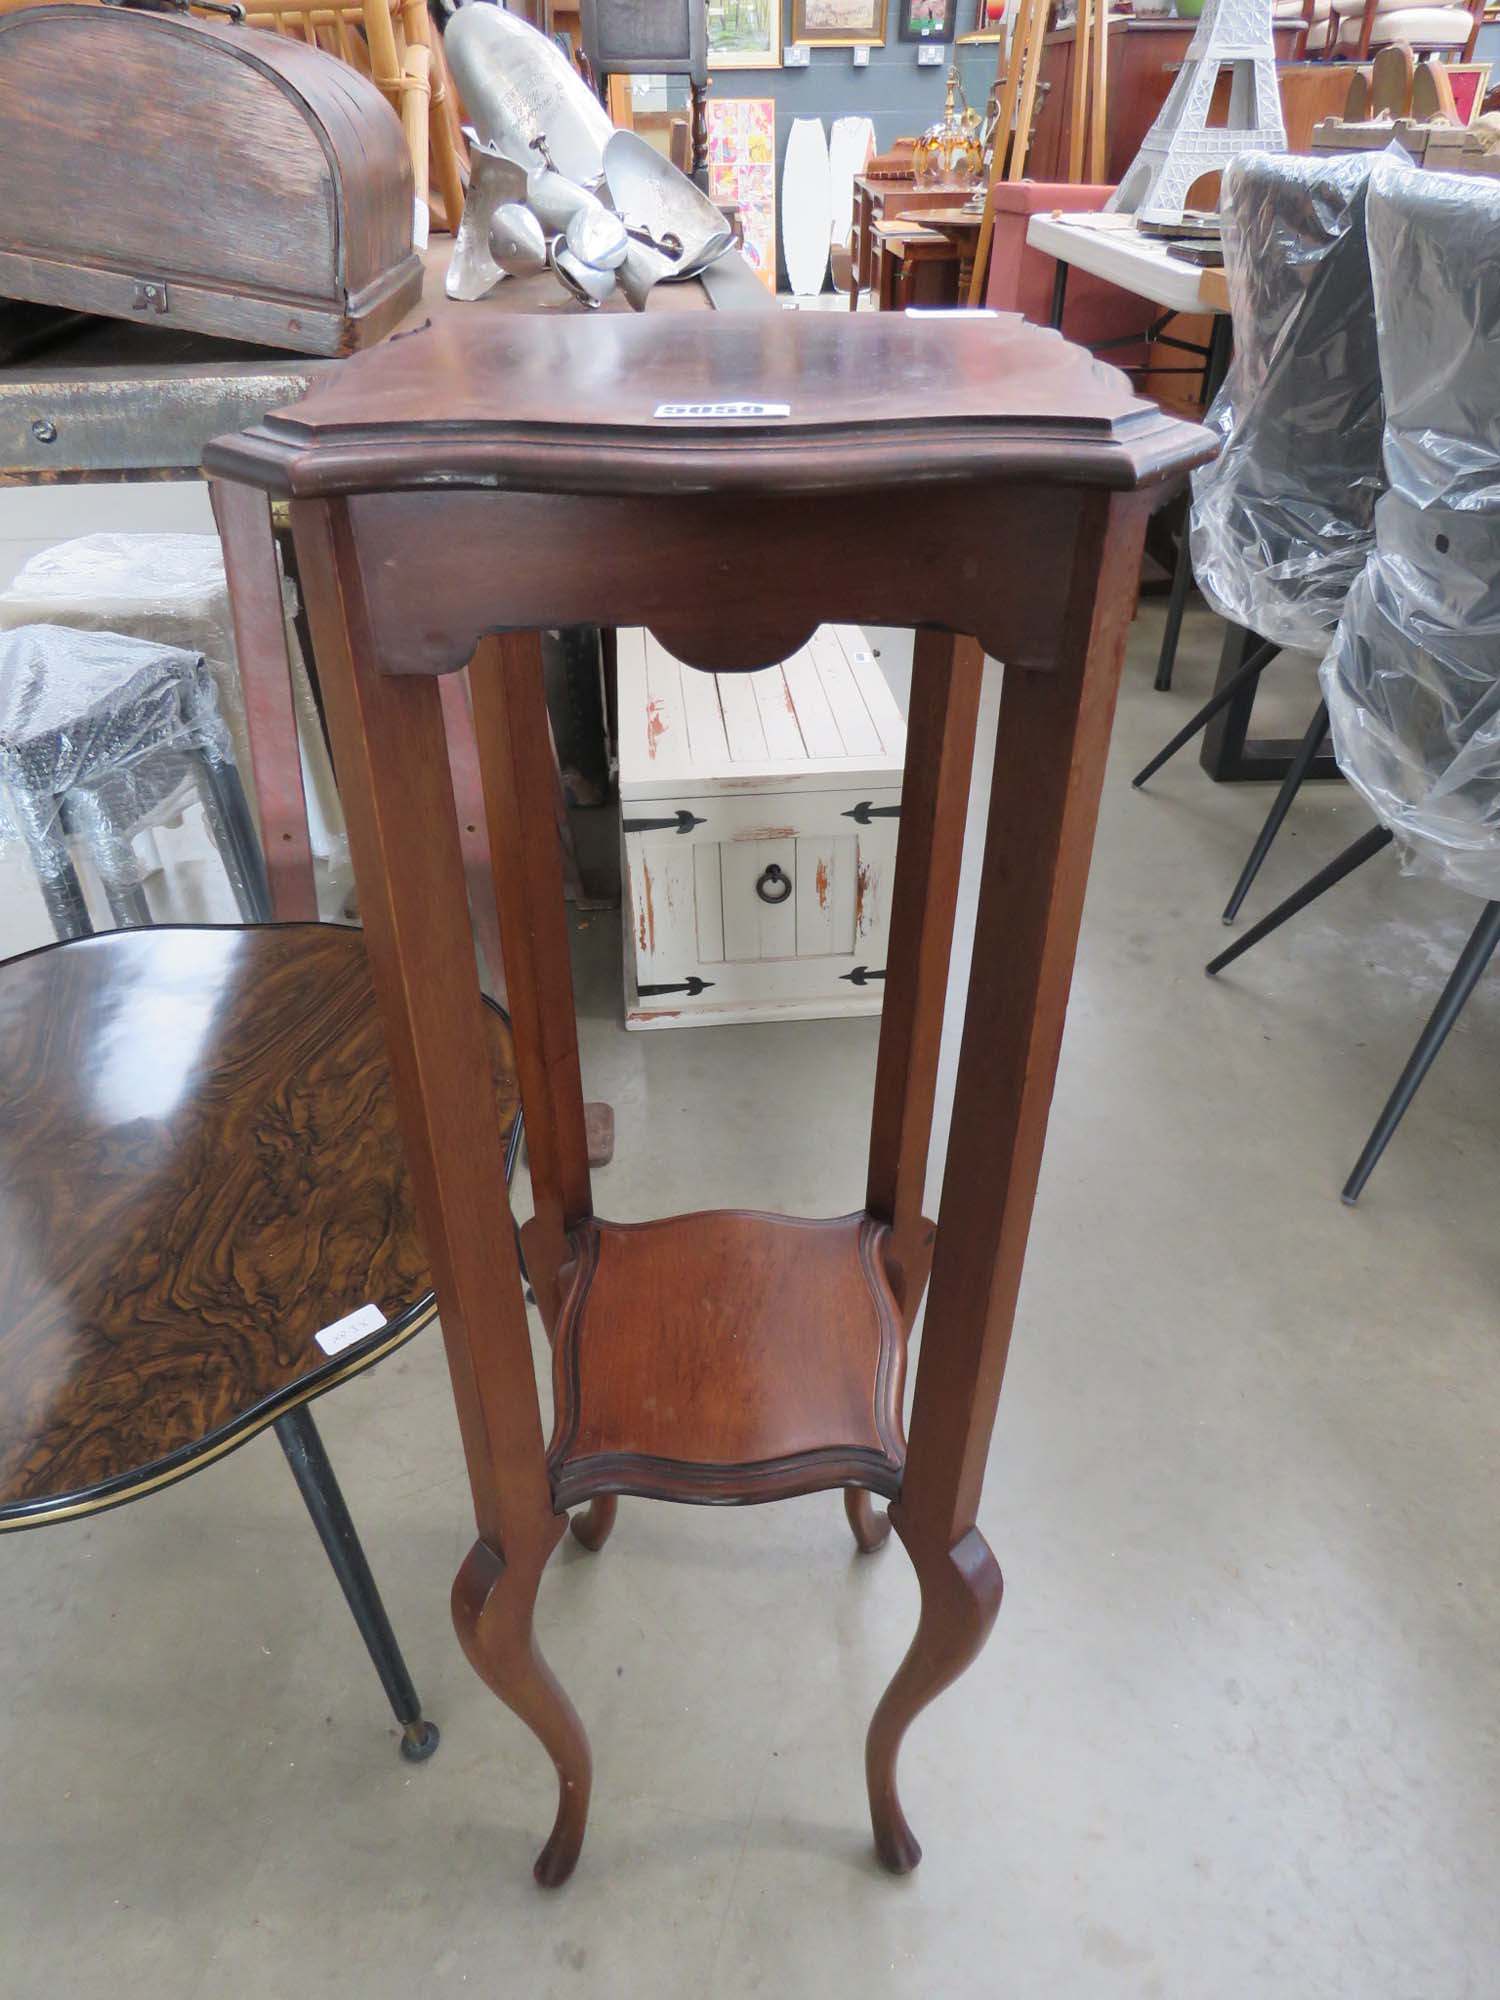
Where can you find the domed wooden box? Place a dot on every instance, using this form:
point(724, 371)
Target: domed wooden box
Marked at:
point(186, 174)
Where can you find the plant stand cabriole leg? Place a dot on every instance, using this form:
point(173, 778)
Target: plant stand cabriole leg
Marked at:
point(403, 834)
point(1049, 766)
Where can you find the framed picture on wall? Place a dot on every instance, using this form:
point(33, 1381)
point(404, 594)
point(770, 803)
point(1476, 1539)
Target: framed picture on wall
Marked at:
point(744, 34)
point(838, 24)
point(927, 20)
point(984, 21)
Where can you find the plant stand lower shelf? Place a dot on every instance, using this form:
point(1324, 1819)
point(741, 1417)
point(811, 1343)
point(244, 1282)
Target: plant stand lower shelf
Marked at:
point(729, 487)
point(727, 1357)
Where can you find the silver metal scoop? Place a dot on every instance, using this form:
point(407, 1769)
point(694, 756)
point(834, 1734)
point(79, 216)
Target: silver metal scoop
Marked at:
point(520, 89)
point(664, 205)
point(493, 181)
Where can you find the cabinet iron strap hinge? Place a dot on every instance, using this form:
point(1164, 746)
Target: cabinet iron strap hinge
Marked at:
point(864, 812)
point(692, 987)
point(681, 822)
point(860, 976)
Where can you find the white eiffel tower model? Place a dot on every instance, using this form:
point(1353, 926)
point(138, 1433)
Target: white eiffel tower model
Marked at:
point(1233, 34)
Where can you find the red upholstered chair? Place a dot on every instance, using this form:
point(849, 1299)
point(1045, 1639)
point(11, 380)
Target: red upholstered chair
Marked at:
point(1021, 279)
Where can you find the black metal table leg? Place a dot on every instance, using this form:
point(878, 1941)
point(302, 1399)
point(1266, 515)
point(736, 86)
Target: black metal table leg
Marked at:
point(314, 1476)
point(1059, 295)
point(1220, 347)
point(1228, 755)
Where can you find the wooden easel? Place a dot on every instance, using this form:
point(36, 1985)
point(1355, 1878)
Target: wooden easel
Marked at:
point(1090, 90)
point(1012, 126)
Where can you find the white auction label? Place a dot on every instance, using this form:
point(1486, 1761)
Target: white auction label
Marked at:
point(351, 1328)
point(718, 412)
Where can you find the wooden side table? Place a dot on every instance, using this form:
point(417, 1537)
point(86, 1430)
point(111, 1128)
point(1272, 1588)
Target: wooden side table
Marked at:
point(961, 227)
point(875, 201)
point(724, 484)
point(913, 267)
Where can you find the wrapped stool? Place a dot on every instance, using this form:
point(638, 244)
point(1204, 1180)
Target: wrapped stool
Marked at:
point(102, 735)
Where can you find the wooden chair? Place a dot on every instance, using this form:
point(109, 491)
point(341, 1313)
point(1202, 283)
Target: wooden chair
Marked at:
point(392, 42)
point(1352, 30)
point(202, 1171)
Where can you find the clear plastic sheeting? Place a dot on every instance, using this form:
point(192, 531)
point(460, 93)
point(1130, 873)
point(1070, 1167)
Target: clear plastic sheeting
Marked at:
point(1412, 679)
point(171, 588)
point(1283, 519)
point(100, 737)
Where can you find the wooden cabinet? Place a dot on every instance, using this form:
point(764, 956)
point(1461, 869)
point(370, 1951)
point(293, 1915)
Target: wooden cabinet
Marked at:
point(1143, 59)
point(882, 201)
point(759, 814)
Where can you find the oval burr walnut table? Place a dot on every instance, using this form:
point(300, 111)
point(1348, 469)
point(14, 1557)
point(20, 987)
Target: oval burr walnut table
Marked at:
point(727, 483)
point(200, 1169)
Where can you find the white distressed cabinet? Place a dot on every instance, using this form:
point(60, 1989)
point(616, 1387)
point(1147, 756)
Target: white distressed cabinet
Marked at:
point(760, 814)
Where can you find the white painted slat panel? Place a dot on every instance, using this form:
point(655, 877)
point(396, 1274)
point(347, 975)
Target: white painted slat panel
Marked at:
point(875, 690)
point(768, 815)
point(635, 754)
point(754, 929)
point(668, 750)
point(874, 875)
point(825, 894)
point(845, 890)
point(709, 891)
point(664, 907)
point(861, 737)
point(820, 731)
point(778, 713)
point(705, 719)
point(782, 989)
point(742, 723)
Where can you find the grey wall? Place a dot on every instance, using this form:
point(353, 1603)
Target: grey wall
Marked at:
point(897, 96)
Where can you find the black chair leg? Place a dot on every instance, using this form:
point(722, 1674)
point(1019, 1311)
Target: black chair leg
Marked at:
point(1464, 977)
point(1182, 576)
point(1353, 856)
point(87, 815)
point(1251, 670)
point(62, 891)
point(1291, 784)
point(314, 1476)
point(227, 811)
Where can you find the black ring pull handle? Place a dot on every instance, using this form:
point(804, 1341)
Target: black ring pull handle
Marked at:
point(772, 886)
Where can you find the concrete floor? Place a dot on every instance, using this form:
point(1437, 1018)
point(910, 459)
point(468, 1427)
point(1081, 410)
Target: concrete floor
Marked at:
point(1235, 1733)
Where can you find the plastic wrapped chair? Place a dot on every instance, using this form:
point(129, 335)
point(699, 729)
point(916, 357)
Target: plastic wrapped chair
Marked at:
point(1282, 521)
point(1412, 679)
point(101, 736)
point(172, 590)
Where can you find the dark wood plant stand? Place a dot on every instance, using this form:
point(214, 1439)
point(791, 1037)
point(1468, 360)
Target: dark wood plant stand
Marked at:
point(455, 485)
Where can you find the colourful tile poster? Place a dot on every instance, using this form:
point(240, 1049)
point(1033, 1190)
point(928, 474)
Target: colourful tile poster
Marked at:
point(742, 169)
